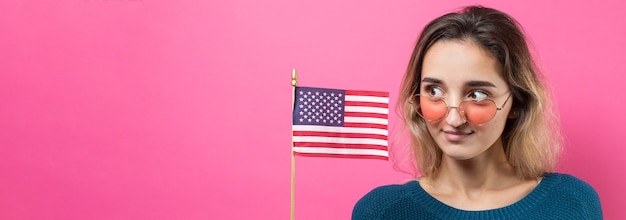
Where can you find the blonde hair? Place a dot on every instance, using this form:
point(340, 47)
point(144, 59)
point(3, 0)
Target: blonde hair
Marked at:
point(532, 139)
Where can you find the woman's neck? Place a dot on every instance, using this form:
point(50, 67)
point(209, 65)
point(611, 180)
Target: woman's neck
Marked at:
point(485, 182)
point(488, 171)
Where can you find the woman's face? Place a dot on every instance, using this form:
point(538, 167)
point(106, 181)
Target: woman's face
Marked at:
point(462, 70)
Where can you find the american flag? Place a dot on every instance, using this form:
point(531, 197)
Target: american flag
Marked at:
point(340, 123)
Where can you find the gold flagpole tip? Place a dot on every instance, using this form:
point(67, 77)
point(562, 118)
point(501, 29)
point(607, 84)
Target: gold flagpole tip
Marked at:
point(294, 77)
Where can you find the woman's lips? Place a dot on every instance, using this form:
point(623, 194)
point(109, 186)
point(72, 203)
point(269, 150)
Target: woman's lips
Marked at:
point(456, 136)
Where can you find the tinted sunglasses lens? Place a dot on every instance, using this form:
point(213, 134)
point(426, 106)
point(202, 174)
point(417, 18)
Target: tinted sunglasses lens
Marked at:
point(432, 109)
point(479, 112)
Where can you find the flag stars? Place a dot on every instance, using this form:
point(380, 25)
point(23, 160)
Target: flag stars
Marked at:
point(320, 107)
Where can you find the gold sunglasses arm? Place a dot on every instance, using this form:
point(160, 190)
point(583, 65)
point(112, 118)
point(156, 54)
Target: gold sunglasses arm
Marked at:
point(505, 101)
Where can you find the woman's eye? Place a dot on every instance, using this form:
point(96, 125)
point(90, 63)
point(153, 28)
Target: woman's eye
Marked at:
point(435, 92)
point(477, 95)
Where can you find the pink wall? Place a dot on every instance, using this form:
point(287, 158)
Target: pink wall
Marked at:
point(149, 109)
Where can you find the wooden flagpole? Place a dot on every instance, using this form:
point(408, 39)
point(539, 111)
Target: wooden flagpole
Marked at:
point(294, 83)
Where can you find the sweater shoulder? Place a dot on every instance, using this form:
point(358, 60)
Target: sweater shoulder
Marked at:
point(376, 202)
point(573, 185)
point(582, 194)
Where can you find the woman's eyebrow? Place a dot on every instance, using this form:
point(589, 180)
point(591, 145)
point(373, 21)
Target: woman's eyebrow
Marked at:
point(480, 84)
point(431, 80)
point(470, 83)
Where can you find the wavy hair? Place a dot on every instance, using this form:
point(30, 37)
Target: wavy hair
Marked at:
point(531, 140)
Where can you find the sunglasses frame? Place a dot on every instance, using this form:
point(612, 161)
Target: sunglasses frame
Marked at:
point(458, 108)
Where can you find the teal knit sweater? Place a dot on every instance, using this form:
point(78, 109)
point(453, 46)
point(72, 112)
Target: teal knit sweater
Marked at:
point(558, 196)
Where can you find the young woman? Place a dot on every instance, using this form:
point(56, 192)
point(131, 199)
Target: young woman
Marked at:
point(482, 130)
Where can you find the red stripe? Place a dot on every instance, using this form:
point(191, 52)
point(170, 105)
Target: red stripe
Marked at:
point(363, 125)
point(367, 93)
point(336, 134)
point(367, 104)
point(334, 145)
point(363, 114)
point(342, 156)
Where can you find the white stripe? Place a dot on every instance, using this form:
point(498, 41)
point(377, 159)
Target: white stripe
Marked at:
point(367, 109)
point(339, 129)
point(366, 120)
point(325, 150)
point(361, 98)
point(317, 139)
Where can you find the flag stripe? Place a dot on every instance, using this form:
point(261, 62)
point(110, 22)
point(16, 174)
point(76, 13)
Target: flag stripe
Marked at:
point(364, 125)
point(363, 130)
point(340, 140)
point(366, 114)
point(366, 93)
point(334, 145)
point(355, 98)
point(333, 134)
point(367, 109)
point(324, 150)
point(365, 120)
point(367, 104)
point(354, 156)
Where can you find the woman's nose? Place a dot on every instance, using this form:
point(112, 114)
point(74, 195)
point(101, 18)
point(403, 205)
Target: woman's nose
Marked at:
point(454, 117)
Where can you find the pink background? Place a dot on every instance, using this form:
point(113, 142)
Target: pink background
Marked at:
point(149, 109)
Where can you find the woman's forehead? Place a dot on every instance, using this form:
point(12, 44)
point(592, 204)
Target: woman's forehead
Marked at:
point(454, 62)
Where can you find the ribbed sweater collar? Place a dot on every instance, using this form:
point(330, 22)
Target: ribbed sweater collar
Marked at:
point(444, 211)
